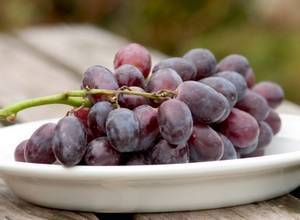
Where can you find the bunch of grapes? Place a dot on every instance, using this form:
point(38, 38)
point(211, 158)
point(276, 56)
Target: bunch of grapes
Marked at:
point(217, 112)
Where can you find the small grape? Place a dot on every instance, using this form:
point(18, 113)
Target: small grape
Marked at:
point(100, 152)
point(237, 80)
point(229, 150)
point(98, 77)
point(272, 92)
point(205, 144)
point(224, 87)
point(136, 55)
point(132, 101)
point(82, 114)
point(206, 104)
point(255, 105)
point(185, 68)
point(247, 150)
point(164, 153)
point(257, 153)
point(97, 118)
point(250, 78)
point(129, 75)
point(19, 151)
point(69, 141)
point(240, 128)
point(234, 62)
point(138, 159)
point(274, 121)
point(122, 129)
point(39, 146)
point(147, 117)
point(265, 135)
point(175, 121)
point(204, 61)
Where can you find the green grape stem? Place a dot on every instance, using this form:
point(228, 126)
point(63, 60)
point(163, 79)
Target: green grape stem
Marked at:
point(75, 98)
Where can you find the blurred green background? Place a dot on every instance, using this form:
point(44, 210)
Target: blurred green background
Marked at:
point(265, 31)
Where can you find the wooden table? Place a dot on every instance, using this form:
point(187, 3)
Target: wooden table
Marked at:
point(44, 60)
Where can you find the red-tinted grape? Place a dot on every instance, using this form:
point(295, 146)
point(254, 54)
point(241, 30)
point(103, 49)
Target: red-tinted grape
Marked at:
point(240, 128)
point(206, 104)
point(272, 92)
point(234, 62)
point(147, 117)
point(265, 135)
point(82, 115)
point(19, 151)
point(250, 78)
point(274, 121)
point(229, 150)
point(175, 121)
point(247, 150)
point(224, 87)
point(136, 55)
point(39, 146)
point(122, 129)
point(185, 68)
point(138, 159)
point(132, 101)
point(204, 61)
point(255, 105)
point(205, 144)
point(100, 152)
point(129, 75)
point(69, 141)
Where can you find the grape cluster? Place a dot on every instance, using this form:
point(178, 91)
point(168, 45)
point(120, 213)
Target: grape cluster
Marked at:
point(217, 113)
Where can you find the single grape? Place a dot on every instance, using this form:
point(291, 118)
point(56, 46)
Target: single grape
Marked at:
point(265, 135)
point(204, 60)
point(240, 128)
point(82, 114)
point(206, 104)
point(237, 80)
point(98, 77)
point(250, 78)
point(272, 92)
point(162, 79)
point(129, 75)
point(257, 153)
point(136, 55)
point(185, 68)
point(100, 152)
point(97, 118)
point(69, 141)
point(247, 150)
point(229, 150)
point(234, 62)
point(138, 159)
point(175, 121)
point(19, 151)
point(39, 146)
point(274, 121)
point(149, 130)
point(205, 144)
point(164, 153)
point(123, 131)
point(132, 101)
point(224, 87)
point(255, 105)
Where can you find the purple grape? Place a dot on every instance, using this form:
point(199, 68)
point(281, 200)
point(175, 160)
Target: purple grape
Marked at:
point(274, 121)
point(147, 117)
point(234, 62)
point(185, 68)
point(39, 146)
point(19, 151)
point(132, 101)
point(69, 141)
point(255, 105)
point(224, 87)
point(175, 121)
point(265, 135)
point(257, 153)
point(204, 61)
point(138, 159)
point(99, 77)
point(240, 128)
point(229, 150)
point(250, 78)
point(122, 129)
point(136, 55)
point(97, 118)
point(272, 92)
point(205, 144)
point(164, 153)
point(100, 152)
point(237, 80)
point(129, 75)
point(82, 114)
point(206, 104)
point(247, 150)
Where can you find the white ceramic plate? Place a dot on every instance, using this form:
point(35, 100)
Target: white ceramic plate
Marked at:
point(154, 188)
